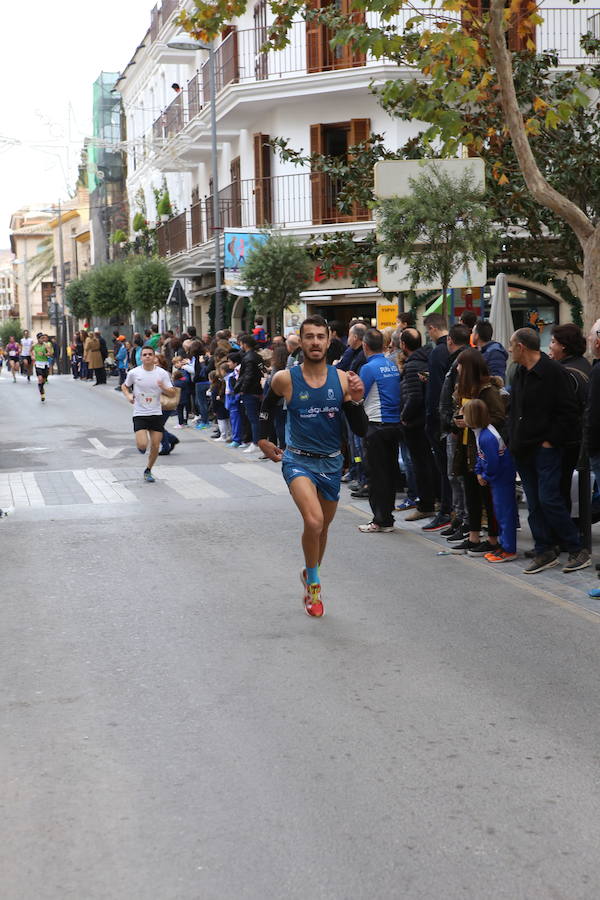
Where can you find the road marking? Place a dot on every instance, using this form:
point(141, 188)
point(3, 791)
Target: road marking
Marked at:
point(258, 474)
point(187, 485)
point(22, 487)
point(101, 450)
point(101, 486)
point(29, 449)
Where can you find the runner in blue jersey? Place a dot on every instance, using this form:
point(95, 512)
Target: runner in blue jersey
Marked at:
point(315, 395)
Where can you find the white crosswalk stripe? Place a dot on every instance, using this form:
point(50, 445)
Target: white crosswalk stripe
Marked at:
point(94, 487)
point(101, 486)
point(187, 484)
point(259, 475)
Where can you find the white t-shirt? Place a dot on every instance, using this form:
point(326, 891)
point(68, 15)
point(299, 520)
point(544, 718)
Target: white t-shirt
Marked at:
point(26, 344)
point(147, 388)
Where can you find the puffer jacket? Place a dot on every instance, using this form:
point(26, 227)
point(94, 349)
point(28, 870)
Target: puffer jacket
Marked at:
point(412, 389)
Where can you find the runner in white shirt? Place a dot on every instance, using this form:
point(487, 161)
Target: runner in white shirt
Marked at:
point(143, 387)
point(26, 345)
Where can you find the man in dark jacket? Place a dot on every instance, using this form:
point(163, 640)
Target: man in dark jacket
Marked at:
point(249, 387)
point(437, 330)
point(457, 341)
point(412, 417)
point(354, 356)
point(543, 415)
point(494, 353)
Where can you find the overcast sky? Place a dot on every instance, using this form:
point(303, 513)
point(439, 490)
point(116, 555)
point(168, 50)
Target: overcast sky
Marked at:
point(50, 55)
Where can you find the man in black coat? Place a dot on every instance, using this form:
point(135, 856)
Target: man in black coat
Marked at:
point(437, 330)
point(249, 387)
point(543, 417)
point(458, 340)
point(412, 416)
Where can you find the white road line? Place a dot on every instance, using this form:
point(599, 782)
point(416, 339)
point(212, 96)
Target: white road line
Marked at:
point(20, 489)
point(259, 475)
point(101, 487)
point(187, 485)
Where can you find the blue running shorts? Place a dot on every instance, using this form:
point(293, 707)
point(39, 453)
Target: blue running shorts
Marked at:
point(326, 483)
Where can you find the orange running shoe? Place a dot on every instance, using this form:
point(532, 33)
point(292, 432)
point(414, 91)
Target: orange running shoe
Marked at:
point(313, 605)
point(500, 556)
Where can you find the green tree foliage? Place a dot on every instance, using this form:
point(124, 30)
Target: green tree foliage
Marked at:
point(41, 263)
point(442, 227)
point(77, 297)
point(276, 272)
point(11, 328)
point(148, 285)
point(108, 290)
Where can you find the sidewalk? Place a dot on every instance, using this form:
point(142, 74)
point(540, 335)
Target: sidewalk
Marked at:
point(569, 588)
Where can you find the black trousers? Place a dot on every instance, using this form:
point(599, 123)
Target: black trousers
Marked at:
point(382, 454)
point(477, 497)
point(422, 459)
point(438, 449)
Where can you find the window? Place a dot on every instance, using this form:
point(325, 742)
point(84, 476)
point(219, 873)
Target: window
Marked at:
point(515, 39)
point(261, 61)
point(319, 55)
point(262, 180)
point(335, 140)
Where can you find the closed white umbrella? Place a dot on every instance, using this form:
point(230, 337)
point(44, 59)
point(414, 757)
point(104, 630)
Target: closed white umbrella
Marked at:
point(501, 318)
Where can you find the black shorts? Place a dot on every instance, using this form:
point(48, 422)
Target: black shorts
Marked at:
point(26, 359)
point(148, 423)
point(42, 370)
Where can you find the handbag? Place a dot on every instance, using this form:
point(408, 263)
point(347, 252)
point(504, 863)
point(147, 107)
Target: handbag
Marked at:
point(169, 403)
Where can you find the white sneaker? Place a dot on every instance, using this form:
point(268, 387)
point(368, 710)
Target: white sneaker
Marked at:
point(222, 440)
point(251, 448)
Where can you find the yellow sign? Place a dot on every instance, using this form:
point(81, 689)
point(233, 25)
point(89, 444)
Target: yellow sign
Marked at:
point(387, 315)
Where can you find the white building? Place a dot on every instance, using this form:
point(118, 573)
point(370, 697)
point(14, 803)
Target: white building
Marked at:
point(7, 290)
point(317, 99)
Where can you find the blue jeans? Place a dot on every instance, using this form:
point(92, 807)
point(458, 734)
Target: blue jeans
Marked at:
point(548, 514)
point(407, 467)
point(252, 408)
point(167, 439)
point(202, 401)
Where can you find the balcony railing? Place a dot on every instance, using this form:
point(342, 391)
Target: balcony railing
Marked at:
point(239, 58)
point(304, 199)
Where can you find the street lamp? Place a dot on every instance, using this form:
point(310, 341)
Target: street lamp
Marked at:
point(63, 360)
point(186, 43)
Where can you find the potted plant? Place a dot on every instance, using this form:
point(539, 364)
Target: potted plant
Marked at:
point(139, 222)
point(164, 208)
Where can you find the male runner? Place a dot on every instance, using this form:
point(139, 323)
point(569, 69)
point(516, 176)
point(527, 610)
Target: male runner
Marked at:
point(41, 358)
point(12, 350)
point(315, 396)
point(148, 381)
point(26, 345)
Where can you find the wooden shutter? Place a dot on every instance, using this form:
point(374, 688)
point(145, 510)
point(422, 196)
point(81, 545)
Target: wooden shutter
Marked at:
point(360, 131)
point(316, 42)
point(518, 36)
point(474, 11)
point(227, 70)
point(262, 180)
point(318, 180)
point(347, 57)
point(235, 171)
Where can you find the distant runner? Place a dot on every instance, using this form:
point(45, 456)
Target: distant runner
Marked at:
point(26, 345)
point(42, 363)
point(147, 382)
point(12, 351)
point(315, 395)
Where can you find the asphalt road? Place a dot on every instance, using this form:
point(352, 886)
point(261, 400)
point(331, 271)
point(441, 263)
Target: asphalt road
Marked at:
point(174, 727)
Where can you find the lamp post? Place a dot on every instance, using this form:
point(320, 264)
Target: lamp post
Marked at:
point(186, 43)
point(63, 363)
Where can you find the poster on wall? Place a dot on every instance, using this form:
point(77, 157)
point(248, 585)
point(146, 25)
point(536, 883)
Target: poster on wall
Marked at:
point(237, 246)
point(387, 313)
point(292, 318)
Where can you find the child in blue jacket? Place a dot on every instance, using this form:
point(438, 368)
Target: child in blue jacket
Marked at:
point(495, 467)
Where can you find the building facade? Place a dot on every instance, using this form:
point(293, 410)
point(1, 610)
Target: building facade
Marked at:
point(317, 99)
point(31, 242)
point(7, 291)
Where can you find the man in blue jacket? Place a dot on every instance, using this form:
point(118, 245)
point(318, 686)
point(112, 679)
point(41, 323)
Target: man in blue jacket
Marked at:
point(494, 353)
point(381, 380)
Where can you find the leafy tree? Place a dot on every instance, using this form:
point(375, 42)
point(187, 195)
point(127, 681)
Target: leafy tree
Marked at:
point(276, 272)
point(148, 285)
point(77, 297)
point(461, 55)
point(11, 328)
point(108, 290)
point(445, 214)
point(42, 261)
